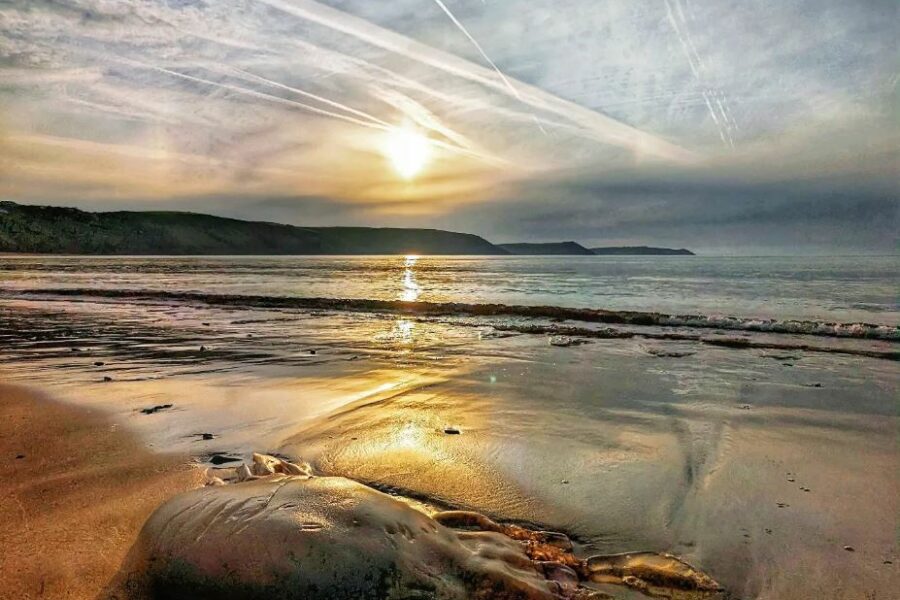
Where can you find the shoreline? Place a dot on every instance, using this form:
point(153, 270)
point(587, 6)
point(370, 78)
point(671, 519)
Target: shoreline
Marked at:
point(77, 494)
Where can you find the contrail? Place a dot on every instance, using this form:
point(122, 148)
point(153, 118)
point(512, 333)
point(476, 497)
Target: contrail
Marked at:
point(723, 125)
point(594, 124)
point(247, 75)
point(479, 48)
point(278, 100)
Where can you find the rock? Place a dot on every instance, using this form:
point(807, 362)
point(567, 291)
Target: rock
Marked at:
point(312, 351)
point(322, 538)
point(206, 324)
point(243, 473)
point(202, 348)
point(640, 569)
point(452, 431)
point(220, 458)
point(207, 436)
point(849, 548)
point(312, 538)
point(99, 363)
point(107, 379)
point(20, 456)
point(155, 409)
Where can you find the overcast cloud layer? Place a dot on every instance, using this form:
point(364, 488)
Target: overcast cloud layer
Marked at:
point(763, 126)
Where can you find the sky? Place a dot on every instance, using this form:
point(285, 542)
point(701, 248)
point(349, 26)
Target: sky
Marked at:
point(753, 127)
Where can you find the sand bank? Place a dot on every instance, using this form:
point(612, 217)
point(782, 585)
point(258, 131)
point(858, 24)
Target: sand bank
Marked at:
point(75, 492)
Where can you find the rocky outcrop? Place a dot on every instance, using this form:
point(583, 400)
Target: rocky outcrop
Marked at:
point(271, 530)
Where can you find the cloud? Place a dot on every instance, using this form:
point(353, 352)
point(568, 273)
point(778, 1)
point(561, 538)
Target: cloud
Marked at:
point(751, 124)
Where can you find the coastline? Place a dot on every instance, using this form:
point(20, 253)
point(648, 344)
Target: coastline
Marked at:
point(76, 491)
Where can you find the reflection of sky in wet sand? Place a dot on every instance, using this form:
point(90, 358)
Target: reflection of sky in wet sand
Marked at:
point(624, 449)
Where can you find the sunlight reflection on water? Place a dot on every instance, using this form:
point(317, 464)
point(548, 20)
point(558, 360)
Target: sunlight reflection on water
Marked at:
point(411, 289)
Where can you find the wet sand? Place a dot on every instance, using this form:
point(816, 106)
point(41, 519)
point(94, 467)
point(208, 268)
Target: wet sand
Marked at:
point(666, 445)
point(74, 494)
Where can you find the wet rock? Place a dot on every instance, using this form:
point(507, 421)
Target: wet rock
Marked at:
point(564, 341)
point(664, 353)
point(645, 570)
point(277, 535)
point(221, 458)
point(322, 538)
point(156, 409)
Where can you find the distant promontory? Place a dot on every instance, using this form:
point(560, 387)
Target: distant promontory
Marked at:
point(58, 230)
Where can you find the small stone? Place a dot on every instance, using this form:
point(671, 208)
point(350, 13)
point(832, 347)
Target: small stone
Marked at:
point(75, 349)
point(206, 324)
point(565, 482)
point(221, 459)
point(207, 436)
point(20, 456)
point(312, 351)
point(791, 479)
point(849, 548)
point(202, 348)
point(107, 379)
point(452, 431)
point(744, 407)
point(888, 562)
point(99, 363)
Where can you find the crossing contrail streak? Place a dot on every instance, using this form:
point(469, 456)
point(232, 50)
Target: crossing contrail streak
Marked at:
point(478, 47)
point(594, 125)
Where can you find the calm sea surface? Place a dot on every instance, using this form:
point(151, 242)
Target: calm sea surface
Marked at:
point(842, 289)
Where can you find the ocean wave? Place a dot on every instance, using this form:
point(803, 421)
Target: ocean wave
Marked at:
point(864, 331)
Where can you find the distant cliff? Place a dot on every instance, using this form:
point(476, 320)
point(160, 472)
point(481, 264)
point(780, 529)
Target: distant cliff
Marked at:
point(640, 250)
point(44, 229)
point(551, 248)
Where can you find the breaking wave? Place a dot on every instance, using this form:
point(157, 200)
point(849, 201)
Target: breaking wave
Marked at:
point(866, 331)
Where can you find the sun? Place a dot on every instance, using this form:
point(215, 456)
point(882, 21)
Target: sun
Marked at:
point(408, 150)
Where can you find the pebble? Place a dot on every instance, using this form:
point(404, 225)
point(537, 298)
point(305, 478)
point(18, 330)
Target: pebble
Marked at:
point(849, 548)
point(207, 436)
point(312, 351)
point(452, 431)
point(20, 456)
point(107, 379)
point(221, 459)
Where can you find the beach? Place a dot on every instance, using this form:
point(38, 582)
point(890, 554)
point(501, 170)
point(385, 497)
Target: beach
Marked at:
point(766, 459)
point(76, 490)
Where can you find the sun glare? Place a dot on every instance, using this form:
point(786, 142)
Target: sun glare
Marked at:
point(408, 150)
